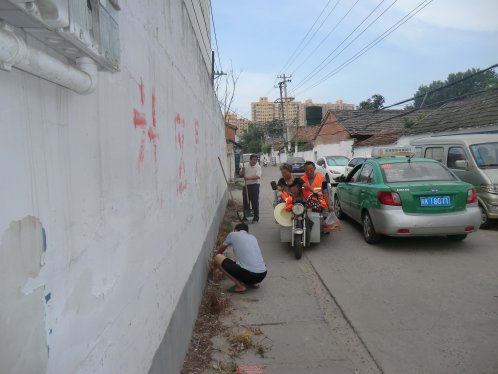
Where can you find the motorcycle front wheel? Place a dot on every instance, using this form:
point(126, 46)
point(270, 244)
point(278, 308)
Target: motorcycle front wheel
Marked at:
point(298, 246)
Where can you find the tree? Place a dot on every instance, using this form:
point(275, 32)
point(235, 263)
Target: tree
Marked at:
point(265, 148)
point(274, 129)
point(479, 82)
point(252, 140)
point(375, 102)
point(226, 92)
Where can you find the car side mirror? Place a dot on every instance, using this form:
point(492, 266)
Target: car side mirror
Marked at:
point(462, 164)
point(340, 179)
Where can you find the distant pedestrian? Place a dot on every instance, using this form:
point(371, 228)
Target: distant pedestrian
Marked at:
point(250, 193)
point(249, 268)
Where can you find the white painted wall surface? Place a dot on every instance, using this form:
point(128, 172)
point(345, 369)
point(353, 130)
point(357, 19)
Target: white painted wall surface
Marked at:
point(343, 148)
point(307, 155)
point(125, 208)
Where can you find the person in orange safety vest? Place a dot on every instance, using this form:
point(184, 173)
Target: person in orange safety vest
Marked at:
point(295, 192)
point(315, 183)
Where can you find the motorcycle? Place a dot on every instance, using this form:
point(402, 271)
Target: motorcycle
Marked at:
point(300, 227)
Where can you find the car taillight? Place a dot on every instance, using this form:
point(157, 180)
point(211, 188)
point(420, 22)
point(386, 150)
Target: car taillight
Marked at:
point(471, 196)
point(389, 198)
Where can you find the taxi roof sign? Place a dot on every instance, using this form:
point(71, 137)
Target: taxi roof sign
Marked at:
point(393, 152)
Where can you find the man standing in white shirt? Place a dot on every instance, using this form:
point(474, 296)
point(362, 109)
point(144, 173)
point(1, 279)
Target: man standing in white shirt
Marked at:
point(252, 176)
point(249, 269)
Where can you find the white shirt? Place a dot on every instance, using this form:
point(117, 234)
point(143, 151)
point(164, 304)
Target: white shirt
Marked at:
point(252, 171)
point(247, 252)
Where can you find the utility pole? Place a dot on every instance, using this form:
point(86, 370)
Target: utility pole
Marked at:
point(214, 74)
point(283, 101)
point(297, 132)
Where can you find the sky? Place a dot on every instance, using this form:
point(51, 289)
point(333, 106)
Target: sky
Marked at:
point(259, 38)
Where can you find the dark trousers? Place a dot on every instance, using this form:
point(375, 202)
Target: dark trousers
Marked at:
point(253, 192)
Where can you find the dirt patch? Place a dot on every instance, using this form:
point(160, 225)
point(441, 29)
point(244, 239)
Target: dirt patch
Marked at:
point(206, 327)
point(216, 307)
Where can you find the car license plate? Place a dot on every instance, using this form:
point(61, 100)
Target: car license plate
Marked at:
point(435, 201)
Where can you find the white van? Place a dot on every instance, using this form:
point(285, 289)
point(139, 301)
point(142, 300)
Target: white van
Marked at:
point(244, 159)
point(474, 159)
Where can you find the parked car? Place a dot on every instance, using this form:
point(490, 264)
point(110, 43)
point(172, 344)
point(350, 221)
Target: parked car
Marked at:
point(354, 162)
point(297, 164)
point(407, 196)
point(335, 165)
point(474, 159)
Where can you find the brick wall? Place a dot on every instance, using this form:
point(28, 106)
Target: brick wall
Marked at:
point(332, 131)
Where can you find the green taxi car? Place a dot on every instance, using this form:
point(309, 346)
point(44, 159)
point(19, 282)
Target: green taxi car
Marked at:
point(407, 196)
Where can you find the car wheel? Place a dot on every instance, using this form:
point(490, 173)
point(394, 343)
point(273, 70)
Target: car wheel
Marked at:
point(371, 237)
point(337, 208)
point(484, 218)
point(457, 238)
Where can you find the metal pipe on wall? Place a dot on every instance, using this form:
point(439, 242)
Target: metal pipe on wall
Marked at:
point(14, 52)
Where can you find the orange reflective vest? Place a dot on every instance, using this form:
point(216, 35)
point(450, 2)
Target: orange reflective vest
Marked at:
point(284, 196)
point(317, 187)
point(289, 204)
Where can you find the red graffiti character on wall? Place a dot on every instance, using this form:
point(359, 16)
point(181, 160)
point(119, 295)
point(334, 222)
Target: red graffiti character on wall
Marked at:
point(140, 121)
point(181, 178)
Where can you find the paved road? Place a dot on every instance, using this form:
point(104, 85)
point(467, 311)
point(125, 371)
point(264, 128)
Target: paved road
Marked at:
point(420, 305)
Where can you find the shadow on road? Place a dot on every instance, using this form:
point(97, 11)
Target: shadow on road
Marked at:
point(428, 244)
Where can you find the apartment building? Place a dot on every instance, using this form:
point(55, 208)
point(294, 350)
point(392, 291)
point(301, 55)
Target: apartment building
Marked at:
point(242, 124)
point(264, 111)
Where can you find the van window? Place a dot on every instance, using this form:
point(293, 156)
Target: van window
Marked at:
point(456, 154)
point(434, 153)
point(486, 154)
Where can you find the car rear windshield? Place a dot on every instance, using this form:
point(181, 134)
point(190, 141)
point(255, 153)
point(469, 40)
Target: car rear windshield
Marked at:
point(415, 171)
point(337, 161)
point(296, 160)
point(485, 154)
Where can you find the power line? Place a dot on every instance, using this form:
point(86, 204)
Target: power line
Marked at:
point(441, 102)
point(215, 36)
point(323, 64)
point(408, 112)
point(369, 113)
point(299, 45)
point(234, 112)
point(326, 37)
point(314, 33)
point(439, 88)
point(208, 51)
point(302, 41)
point(372, 44)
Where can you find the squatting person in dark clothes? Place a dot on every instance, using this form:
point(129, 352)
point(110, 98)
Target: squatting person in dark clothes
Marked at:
point(249, 269)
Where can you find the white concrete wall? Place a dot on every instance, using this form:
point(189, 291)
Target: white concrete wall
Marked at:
point(343, 148)
point(307, 155)
point(102, 217)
